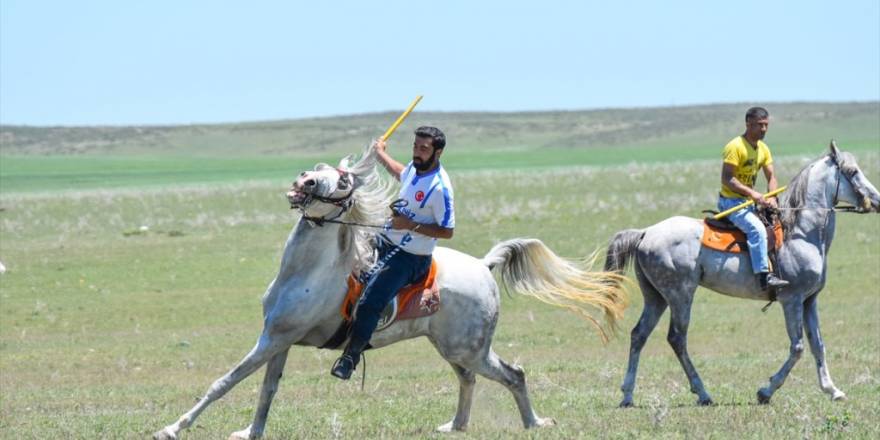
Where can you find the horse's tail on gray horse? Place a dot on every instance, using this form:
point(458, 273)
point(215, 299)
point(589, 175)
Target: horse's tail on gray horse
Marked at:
point(529, 267)
point(622, 248)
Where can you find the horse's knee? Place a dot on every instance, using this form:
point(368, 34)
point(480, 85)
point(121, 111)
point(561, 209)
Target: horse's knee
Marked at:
point(518, 372)
point(797, 350)
point(516, 377)
point(465, 376)
point(677, 341)
point(638, 338)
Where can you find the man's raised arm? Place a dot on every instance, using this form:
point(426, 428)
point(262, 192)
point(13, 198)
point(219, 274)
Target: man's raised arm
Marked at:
point(392, 166)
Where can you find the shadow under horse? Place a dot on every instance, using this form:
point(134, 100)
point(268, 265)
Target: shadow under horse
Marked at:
point(670, 263)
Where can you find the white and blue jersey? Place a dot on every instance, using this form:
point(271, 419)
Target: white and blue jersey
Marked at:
point(428, 201)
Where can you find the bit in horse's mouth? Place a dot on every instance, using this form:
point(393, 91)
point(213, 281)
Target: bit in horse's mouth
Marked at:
point(296, 198)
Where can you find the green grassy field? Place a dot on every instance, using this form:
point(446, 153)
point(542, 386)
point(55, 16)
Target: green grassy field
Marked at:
point(108, 331)
point(37, 159)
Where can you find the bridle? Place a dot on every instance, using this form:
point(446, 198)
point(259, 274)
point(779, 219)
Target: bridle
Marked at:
point(834, 206)
point(344, 203)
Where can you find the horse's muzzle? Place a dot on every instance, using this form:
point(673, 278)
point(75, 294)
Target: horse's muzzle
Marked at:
point(296, 198)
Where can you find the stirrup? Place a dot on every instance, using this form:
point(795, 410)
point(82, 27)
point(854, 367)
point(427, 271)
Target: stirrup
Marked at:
point(774, 282)
point(343, 367)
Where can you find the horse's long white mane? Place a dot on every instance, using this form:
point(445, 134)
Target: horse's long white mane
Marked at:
point(372, 195)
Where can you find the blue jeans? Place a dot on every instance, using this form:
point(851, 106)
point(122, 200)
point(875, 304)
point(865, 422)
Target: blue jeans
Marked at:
point(394, 269)
point(756, 234)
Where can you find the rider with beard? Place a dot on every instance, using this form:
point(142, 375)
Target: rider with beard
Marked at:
point(743, 157)
point(409, 238)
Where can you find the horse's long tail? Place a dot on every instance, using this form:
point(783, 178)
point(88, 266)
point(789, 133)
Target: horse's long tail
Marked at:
point(621, 248)
point(529, 267)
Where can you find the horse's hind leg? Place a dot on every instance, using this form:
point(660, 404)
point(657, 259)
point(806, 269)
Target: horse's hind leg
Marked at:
point(274, 368)
point(653, 309)
point(512, 377)
point(678, 327)
point(266, 347)
point(466, 382)
point(793, 308)
point(811, 325)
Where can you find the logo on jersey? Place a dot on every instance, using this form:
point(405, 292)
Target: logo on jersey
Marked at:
point(420, 196)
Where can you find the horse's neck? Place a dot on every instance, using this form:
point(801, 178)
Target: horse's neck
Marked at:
point(816, 220)
point(313, 248)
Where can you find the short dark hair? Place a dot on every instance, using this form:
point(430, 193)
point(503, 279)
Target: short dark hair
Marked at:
point(757, 113)
point(438, 139)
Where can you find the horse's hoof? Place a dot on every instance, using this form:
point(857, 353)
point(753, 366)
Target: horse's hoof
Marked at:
point(764, 396)
point(838, 396)
point(705, 402)
point(544, 422)
point(626, 403)
point(245, 434)
point(164, 434)
point(450, 427)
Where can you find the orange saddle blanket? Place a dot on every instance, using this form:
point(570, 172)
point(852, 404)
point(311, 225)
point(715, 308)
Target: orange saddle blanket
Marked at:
point(734, 240)
point(413, 301)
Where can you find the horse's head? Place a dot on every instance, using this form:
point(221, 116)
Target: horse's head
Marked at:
point(322, 190)
point(853, 186)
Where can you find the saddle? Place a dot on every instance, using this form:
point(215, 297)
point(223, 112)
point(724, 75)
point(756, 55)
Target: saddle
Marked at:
point(722, 235)
point(415, 300)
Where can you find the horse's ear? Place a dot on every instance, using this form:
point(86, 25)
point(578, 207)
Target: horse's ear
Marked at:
point(835, 152)
point(345, 163)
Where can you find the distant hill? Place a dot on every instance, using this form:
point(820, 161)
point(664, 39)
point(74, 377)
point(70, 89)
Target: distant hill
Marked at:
point(685, 126)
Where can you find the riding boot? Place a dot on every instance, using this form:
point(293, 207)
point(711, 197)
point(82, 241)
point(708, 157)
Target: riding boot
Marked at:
point(769, 280)
point(346, 364)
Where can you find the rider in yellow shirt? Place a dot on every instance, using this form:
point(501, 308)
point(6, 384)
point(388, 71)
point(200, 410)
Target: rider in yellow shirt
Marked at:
point(743, 157)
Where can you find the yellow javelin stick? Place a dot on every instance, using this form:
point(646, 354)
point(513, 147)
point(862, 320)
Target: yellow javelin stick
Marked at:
point(721, 215)
point(401, 118)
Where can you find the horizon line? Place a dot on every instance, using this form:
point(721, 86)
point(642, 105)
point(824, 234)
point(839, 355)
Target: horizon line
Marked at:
point(499, 112)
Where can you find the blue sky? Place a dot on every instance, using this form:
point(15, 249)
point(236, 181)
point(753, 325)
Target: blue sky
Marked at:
point(157, 62)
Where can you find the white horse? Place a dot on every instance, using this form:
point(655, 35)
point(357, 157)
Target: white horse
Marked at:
point(670, 263)
point(301, 305)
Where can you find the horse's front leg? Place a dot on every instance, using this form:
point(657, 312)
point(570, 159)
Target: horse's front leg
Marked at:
point(267, 346)
point(793, 308)
point(274, 368)
point(811, 325)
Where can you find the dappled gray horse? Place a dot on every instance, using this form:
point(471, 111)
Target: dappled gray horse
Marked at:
point(670, 263)
point(301, 305)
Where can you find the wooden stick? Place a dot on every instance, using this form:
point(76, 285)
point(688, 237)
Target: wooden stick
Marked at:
point(401, 118)
point(721, 215)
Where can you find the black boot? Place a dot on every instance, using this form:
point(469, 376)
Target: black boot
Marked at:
point(345, 365)
point(770, 281)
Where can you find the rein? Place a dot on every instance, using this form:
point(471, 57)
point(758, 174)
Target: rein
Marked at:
point(395, 209)
point(321, 220)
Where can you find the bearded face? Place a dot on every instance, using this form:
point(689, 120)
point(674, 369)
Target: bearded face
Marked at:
point(424, 154)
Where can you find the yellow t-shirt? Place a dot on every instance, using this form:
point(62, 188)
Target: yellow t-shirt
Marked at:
point(747, 160)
